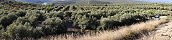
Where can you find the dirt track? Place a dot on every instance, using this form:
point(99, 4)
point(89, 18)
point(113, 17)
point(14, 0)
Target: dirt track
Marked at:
point(162, 32)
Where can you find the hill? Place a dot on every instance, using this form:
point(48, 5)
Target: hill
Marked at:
point(6, 0)
point(82, 1)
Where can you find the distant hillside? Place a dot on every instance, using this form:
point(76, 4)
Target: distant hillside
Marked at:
point(81, 1)
point(123, 1)
point(91, 2)
point(6, 0)
point(64, 2)
point(33, 1)
point(98, 2)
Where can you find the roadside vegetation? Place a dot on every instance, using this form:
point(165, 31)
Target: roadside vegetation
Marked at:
point(124, 33)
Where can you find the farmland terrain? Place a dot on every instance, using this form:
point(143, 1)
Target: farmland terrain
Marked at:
point(86, 20)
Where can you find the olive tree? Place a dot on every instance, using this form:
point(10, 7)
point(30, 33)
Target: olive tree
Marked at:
point(53, 25)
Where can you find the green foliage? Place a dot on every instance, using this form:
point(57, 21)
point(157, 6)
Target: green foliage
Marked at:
point(7, 20)
point(20, 30)
point(1, 27)
point(93, 23)
point(53, 21)
point(21, 13)
point(83, 22)
point(48, 9)
point(33, 16)
point(105, 22)
point(22, 20)
point(29, 20)
point(53, 25)
point(2, 32)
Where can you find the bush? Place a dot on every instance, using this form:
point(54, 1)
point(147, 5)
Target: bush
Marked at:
point(33, 16)
point(53, 26)
point(105, 23)
point(7, 20)
point(17, 20)
point(1, 31)
point(80, 21)
point(93, 23)
point(22, 20)
point(21, 13)
point(18, 30)
point(37, 32)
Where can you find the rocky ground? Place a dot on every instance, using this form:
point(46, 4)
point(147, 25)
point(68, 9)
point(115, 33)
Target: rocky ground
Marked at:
point(162, 32)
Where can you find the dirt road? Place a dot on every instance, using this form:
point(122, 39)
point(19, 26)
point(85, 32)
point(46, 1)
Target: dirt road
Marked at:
point(162, 32)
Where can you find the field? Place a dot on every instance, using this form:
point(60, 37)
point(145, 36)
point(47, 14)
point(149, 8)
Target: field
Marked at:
point(30, 21)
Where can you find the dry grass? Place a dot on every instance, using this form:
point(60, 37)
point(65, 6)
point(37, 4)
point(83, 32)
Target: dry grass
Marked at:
point(162, 33)
point(120, 34)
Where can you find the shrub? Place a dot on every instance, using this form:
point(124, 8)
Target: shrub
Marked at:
point(33, 16)
point(53, 26)
point(1, 31)
point(37, 32)
point(105, 23)
point(48, 9)
point(21, 13)
point(93, 23)
point(7, 20)
point(22, 20)
point(83, 22)
point(1, 27)
point(18, 30)
point(80, 21)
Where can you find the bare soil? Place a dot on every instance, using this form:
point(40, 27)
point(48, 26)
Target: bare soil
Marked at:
point(162, 32)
